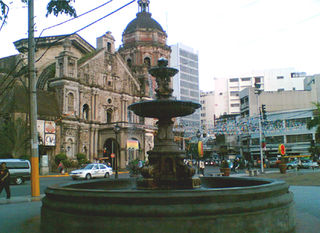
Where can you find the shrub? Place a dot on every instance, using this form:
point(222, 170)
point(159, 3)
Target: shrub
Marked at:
point(82, 158)
point(133, 167)
point(60, 157)
point(67, 163)
point(224, 164)
point(26, 157)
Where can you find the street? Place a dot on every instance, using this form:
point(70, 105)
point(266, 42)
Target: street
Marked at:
point(25, 189)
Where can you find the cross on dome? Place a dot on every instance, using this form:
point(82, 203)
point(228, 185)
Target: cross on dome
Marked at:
point(143, 5)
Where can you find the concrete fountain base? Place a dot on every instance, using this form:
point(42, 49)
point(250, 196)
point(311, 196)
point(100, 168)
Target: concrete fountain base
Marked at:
point(222, 204)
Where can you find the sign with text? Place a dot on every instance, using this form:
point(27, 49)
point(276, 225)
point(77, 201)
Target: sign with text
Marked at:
point(46, 132)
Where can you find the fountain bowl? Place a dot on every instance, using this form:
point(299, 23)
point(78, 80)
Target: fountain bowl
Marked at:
point(222, 204)
point(164, 108)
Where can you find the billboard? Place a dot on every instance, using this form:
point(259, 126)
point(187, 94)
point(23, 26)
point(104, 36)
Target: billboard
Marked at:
point(46, 132)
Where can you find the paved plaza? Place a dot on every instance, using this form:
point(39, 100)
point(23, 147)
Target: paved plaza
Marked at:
point(21, 214)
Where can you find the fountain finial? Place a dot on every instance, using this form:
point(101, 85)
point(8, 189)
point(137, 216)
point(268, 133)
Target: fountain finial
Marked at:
point(163, 75)
point(162, 62)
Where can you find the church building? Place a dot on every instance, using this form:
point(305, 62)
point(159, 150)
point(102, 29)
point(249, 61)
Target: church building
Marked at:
point(84, 92)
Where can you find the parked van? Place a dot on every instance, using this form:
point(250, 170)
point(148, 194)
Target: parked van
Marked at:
point(20, 170)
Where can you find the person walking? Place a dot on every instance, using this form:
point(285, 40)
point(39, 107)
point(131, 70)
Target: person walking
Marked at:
point(201, 166)
point(60, 168)
point(5, 179)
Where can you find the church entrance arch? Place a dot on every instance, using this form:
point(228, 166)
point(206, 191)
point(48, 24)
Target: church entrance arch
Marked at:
point(111, 152)
point(133, 149)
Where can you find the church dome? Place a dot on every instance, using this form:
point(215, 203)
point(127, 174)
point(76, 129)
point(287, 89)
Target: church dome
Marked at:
point(143, 21)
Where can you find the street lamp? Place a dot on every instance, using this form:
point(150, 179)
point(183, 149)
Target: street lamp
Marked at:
point(116, 130)
point(198, 134)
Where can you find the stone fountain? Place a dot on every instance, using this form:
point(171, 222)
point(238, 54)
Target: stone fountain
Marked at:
point(168, 198)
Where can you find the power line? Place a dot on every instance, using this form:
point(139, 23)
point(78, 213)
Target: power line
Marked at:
point(90, 24)
point(75, 17)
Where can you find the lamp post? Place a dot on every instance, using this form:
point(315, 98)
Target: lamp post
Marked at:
point(258, 92)
point(198, 134)
point(116, 130)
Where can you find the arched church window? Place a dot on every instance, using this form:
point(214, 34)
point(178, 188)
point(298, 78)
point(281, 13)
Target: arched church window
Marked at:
point(130, 117)
point(70, 102)
point(129, 62)
point(109, 115)
point(61, 68)
point(85, 112)
point(109, 47)
point(147, 61)
point(70, 148)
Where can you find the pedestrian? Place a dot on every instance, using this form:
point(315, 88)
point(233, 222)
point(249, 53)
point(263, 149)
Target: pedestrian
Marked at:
point(60, 168)
point(5, 179)
point(201, 166)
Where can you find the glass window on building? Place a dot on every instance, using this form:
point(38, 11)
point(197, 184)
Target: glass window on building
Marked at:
point(234, 93)
point(255, 141)
point(232, 80)
point(299, 138)
point(275, 140)
point(245, 79)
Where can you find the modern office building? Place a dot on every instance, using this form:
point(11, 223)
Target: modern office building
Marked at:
point(213, 105)
point(287, 113)
point(268, 80)
point(186, 82)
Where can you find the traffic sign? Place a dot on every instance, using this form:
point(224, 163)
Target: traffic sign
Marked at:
point(282, 149)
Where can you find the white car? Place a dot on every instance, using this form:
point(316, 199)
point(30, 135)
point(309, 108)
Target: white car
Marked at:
point(92, 170)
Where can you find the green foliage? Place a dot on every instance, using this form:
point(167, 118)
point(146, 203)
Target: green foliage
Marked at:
point(315, 122)
point(26, 157)
point(14, 137)
point(61, 7)
point(54, 7)
point(82, 158)
point(60, 157)
point(133, 167)
point(67, 163)
point(224, 164)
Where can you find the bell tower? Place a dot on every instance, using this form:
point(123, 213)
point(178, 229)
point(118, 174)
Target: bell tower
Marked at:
point(144, 42)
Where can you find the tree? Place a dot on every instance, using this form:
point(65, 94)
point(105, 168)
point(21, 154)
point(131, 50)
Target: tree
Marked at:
point(54, 7)
point(14, 138)
point(315, 122)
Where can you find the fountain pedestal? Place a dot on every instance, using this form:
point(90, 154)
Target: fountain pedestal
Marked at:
point(166, 169)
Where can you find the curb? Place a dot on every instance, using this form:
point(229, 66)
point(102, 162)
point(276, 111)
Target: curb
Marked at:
point(20, 199)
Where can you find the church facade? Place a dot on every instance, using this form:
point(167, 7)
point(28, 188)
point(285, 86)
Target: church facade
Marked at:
point(93, 87)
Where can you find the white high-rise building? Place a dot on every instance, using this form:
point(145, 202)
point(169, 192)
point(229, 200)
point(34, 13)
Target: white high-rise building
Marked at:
point(213, 105)
point(186, 82)
point(269, 80)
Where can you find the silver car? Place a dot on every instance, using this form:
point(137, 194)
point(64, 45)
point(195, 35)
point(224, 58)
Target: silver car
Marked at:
point(92, 170)
point(306, 163)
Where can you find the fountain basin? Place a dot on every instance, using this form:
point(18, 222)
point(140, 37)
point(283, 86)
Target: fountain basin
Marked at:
point(222, 204)
point(164, 108)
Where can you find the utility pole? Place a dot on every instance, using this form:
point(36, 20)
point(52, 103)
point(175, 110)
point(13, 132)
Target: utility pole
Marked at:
point(258, 92)
point(35, 185)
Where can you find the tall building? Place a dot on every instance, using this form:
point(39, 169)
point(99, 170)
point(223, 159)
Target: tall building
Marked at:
point(268, 80)
point(186, 82)
point(213, 105)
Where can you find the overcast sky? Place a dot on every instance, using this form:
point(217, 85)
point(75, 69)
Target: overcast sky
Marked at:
point(231, 36)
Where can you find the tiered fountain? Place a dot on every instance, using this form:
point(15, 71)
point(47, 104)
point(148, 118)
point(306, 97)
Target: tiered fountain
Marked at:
point(168, 198)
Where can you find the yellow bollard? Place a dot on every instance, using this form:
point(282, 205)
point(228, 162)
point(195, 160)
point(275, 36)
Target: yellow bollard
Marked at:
point(35, 184)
